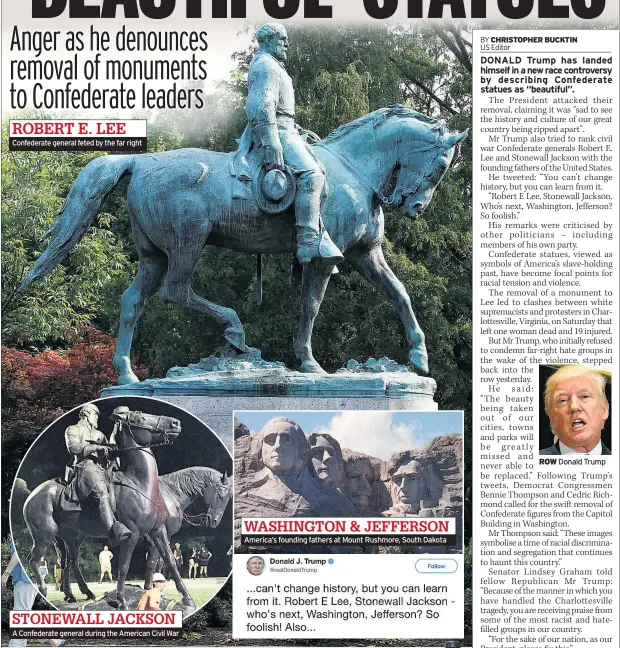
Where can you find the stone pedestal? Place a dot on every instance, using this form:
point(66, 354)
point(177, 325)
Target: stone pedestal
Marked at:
point(214, 388)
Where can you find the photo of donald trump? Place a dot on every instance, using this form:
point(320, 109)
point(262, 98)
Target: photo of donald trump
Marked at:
point(577, 407)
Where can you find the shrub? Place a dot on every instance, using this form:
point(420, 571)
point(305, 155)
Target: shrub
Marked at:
point(38, 387)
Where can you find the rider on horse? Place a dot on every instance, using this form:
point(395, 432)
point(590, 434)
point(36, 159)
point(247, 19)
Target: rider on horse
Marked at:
point(271, 115)
point(89, 449)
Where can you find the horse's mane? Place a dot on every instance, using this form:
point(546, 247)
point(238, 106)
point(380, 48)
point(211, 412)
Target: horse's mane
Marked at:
point(378, 116)
point(191, 481)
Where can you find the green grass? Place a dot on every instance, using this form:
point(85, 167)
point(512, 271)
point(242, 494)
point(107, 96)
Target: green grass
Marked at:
point(202, 590)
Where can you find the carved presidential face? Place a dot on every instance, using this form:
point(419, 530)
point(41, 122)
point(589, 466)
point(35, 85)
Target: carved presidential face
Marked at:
point(359, 480)
point(282, 445)
point(408, 486)
point(279, 451)
point(325, 462)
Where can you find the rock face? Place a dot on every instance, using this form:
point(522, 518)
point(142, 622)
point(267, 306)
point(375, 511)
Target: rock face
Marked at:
point(281, 472)
point(241, 429)
point(363, 485)
point(437, 469)
point(372, 365)
point(275, 476)
point(418, 482)
point(428, 482)
point(326, 455)
point(235, 374)
point(234, 362)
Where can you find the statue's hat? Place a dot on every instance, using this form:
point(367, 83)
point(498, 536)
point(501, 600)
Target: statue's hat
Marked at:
point(274, 190)
point(90, 407)
point(119, 413)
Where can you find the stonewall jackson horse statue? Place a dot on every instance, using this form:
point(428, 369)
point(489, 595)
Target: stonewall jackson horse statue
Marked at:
point(140, 506)
point(180, 201)
point(179, 490)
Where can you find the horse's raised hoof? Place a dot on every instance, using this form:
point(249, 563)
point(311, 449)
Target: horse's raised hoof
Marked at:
point(127, 378)
point(419, 361)
point(189, 602)
point(312, 366)
point(236, 339)
point(230, 351)
point(69, 598)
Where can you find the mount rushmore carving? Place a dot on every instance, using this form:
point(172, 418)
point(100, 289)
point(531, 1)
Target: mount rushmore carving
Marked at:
point(282, 472)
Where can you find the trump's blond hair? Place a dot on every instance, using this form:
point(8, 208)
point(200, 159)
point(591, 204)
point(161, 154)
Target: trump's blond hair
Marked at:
point(574, 371)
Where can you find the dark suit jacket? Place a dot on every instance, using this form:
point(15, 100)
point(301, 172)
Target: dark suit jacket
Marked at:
point(555, 450)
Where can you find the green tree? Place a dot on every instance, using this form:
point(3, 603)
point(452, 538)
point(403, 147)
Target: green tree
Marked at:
point(34, 186)
point(339, 73)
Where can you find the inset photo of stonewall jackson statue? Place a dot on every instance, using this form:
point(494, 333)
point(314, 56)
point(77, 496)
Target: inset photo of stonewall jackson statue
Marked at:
point(281, 471)
point(122, 481)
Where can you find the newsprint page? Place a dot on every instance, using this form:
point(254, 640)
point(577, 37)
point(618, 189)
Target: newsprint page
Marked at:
point(310, 323)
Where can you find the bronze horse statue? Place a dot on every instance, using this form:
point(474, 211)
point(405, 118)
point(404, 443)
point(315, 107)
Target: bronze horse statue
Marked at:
point(180, 201)
point(180, 489)
point(140, 506)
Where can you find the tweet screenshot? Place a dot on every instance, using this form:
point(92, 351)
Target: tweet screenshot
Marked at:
point(342, 536)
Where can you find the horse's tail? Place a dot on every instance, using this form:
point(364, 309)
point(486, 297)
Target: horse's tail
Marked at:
point(26, 508)
point(20, 493)
point(86, 199)
point(38, 510)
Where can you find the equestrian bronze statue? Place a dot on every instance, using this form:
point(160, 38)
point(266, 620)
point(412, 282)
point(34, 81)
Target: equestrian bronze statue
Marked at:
point(52, 516)
point(90, 472)
point(275, 194)
point(182, 488)
point(271, 125)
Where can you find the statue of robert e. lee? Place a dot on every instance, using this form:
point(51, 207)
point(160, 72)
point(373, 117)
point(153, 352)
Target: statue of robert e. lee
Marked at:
point(271, 115)
point(89, 449)
point(200, 198)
